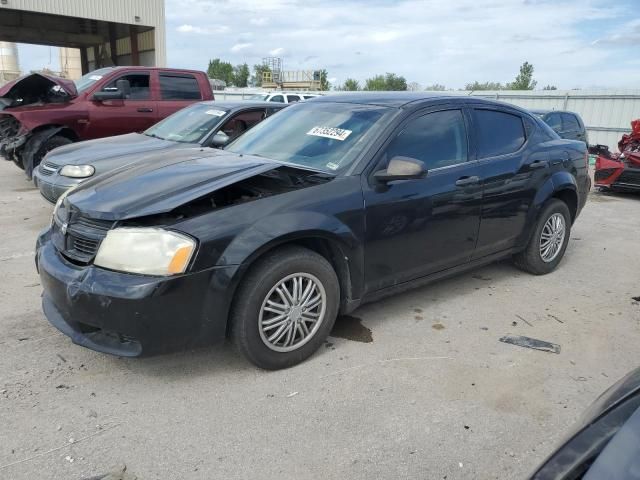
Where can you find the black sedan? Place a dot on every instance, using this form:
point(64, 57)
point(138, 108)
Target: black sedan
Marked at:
point(206, 124)
point(329, 204)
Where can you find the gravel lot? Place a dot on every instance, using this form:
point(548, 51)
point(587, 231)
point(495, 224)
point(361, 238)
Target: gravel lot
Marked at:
point(419, 387)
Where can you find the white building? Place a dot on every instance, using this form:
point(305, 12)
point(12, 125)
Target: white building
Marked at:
point(106, 32)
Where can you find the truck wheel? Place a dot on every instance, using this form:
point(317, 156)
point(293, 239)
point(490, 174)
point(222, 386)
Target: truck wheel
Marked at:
point(549, 241)
point(36, 148)
point(285, 308)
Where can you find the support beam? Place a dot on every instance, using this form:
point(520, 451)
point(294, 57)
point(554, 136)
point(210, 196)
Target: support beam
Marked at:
point(53, 38)
point(84, 60)
point(133, 38)
point(113, 44)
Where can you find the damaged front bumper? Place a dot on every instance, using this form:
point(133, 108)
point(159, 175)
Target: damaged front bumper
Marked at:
point(617, 175)
point(12, 137)
point(131, 315)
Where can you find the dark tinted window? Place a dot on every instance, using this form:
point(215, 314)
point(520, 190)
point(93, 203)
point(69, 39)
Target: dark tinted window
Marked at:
point(139, 86)
point(498, 133)
point(277, 98)
point(570, 123)
point(554, 121)
point(183, 87)
point(438, 139)
point(293, 98)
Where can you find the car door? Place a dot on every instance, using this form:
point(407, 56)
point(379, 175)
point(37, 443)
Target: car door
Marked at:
point(417, 227)
point(512, 174)
point(135, 113)
point(176, 91)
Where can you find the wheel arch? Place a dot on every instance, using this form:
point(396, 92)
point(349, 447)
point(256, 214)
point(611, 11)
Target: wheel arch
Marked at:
point(337, 252)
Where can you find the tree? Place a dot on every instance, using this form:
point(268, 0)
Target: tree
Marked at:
point(241, 75)
point(324, 80)
point(389, 81)
point(258, 70)
point(220, 71)
point(414, 87)
point(484, 86)
point(524, 80)
point(550, 87)
point(350, 85)
point(436, 87)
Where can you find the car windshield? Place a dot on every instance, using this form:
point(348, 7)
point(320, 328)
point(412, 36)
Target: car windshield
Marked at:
point(189, 125)
point(259, 96)
point(323, 136)
point(89, 79)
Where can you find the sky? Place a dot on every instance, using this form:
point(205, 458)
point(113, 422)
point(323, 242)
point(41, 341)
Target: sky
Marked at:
point(571, 43)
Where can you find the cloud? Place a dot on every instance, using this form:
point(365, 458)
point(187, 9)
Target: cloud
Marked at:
point(238, 47)
point(451, 43)
point(187, 28)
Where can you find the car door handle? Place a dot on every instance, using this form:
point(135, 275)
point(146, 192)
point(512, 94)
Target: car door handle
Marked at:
point(465, 181)
point(145, 109)
point(538, 164)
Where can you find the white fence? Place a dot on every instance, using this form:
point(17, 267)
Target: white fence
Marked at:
point(606, 113)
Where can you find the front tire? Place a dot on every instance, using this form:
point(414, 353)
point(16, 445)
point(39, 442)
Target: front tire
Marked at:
point(549, 240)
point(35, 150)
point(285, 308)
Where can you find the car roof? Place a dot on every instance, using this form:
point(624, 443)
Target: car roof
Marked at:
point(403, 99)
point(141, 67)
point(231, 105)
point(543, 111)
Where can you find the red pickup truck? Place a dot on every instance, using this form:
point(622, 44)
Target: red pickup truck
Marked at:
point(39, 112)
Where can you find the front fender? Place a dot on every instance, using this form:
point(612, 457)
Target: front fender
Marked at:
point(286, 227)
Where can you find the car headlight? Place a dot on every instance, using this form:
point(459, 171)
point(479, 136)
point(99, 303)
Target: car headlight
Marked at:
point(150, 251)
point(77, 171)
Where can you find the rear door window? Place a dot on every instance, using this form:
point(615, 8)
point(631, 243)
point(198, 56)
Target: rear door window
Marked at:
point(293, 98)
point(497, 133)
point(570, 123)
point(438, 139)
point(179, 87)
point(277, 98)
point(139, 83)
point(554, 121)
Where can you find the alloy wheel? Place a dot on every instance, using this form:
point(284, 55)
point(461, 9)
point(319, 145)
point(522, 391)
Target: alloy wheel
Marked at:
point(292, 312)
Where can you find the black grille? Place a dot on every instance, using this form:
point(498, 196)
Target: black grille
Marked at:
point(83, 237)
point(630, 175)
point(604, 173)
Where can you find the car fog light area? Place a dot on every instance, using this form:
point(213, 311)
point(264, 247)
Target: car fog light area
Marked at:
point(149, 251)
point(77, 171)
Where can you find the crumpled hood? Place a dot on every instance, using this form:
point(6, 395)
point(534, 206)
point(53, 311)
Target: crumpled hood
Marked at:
point(163, 182)
point(87, 153)
point(38, 81)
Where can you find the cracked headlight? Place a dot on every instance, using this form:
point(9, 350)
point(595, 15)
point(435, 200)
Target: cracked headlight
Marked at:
point(149, 251)
point(77, 171)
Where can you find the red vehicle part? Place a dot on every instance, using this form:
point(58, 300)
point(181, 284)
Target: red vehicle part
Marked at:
point(621, 171)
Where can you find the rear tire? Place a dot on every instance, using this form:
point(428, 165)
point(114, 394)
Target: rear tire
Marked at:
point(285, 308)
point(549, 240)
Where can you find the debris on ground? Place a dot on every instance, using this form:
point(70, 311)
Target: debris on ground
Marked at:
point(292, 394)
point(524, 320)
point(555, 318)
point(533, 343)
point(117, 473)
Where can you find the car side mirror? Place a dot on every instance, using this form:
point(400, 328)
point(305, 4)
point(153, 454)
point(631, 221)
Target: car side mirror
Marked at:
point(122, 91)
point(220, 139)
point(401, 168)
